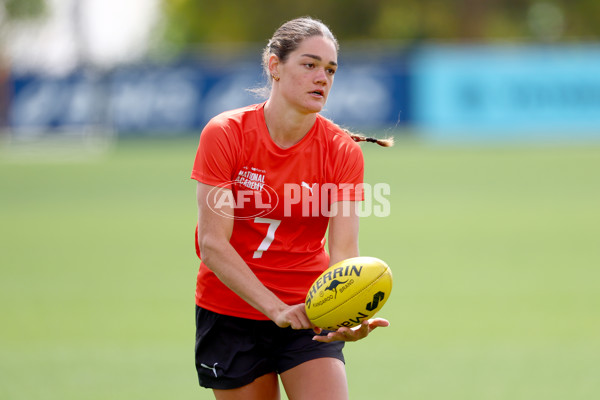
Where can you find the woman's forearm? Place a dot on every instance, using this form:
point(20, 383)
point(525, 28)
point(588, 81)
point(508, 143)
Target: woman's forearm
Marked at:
point(222, 259)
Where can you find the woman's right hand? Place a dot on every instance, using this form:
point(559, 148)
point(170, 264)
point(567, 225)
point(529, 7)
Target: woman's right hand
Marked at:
point(294, 317)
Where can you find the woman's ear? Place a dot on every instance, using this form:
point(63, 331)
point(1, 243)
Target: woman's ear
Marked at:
point(274, 67)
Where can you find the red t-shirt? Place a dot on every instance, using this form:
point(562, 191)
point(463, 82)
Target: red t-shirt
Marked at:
point(281, 199)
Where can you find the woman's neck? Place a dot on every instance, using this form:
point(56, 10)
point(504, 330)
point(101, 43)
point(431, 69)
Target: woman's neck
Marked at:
point(286, 125)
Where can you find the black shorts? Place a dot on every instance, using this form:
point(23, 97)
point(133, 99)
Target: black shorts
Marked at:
point(232, 352)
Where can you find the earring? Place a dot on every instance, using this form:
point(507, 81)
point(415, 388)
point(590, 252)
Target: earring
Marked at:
point(275, 78)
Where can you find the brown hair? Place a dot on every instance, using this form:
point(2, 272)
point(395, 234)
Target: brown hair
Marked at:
point(357, 137)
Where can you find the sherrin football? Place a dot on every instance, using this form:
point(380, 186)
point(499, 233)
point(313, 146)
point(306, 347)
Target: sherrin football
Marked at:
point(348, 293)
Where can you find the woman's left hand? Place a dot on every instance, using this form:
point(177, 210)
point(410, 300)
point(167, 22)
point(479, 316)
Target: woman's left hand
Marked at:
point(353, 334)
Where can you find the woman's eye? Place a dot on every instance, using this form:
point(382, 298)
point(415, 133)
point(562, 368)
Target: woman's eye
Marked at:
point(309, 65)
point(331, 71)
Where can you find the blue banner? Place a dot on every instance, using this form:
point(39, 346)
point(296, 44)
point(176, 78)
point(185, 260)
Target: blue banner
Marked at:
point(182, 98)
point(443, 92)
point(506, 91)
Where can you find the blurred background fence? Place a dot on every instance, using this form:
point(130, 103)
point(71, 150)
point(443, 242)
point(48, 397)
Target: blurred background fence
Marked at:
point(449, 71)
point(446, 92)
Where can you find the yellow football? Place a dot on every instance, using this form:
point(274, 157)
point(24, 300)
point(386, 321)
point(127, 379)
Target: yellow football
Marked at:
point(348, 293)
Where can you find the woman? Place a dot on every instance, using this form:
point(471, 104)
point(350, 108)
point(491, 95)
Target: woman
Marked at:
point(260, 250)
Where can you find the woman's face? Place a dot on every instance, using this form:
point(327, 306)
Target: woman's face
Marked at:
point(307, 75)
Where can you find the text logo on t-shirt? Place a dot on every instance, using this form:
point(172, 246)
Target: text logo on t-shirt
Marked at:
point(252, 178)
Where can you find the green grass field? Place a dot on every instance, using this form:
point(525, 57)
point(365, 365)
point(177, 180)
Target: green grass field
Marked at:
point(495, 253)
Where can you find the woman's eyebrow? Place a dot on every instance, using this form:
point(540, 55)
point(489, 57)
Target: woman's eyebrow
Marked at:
point(318, 58)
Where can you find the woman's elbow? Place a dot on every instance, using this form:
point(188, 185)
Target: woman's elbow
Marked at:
point(208, 248)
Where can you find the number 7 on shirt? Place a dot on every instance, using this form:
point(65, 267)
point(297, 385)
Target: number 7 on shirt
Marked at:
point(264, 245)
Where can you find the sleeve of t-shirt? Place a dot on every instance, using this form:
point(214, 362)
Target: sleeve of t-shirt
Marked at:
point(348, 173)
point(215, 157)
